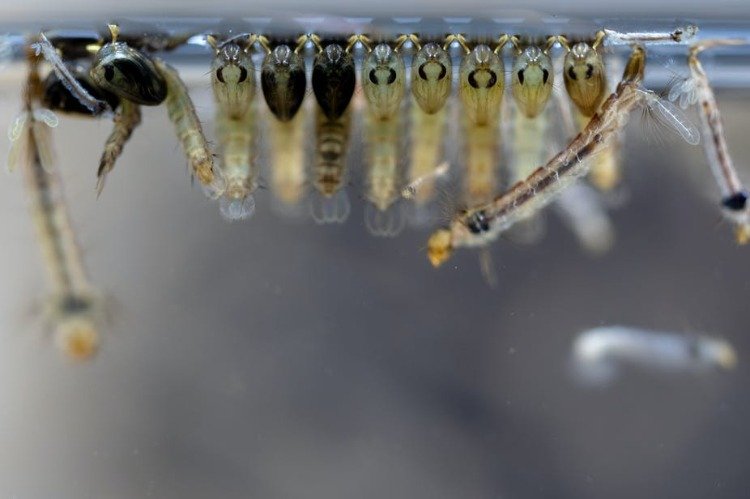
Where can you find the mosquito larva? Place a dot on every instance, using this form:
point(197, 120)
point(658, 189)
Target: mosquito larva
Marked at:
point(284, 81)
point(57, 95)
point(333, 80)
point(73, 309)
point(233, 83)
point(383, 213)
point(599, 353)
point(331, 205)
point(483, 223)
point(383, 75)
point(481, 83)
point(582, 211)
point(431, 77)
point(182, 114)
point(679, 35)
point(734, 194)
point(47, 50)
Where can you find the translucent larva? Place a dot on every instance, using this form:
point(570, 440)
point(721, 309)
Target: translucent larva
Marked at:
point(427, 143)
point(384, 213)
point(188, 127)
point(481, 83)
point(600, 353)
point(233, 83)
point(333, 80)
point(431, 77)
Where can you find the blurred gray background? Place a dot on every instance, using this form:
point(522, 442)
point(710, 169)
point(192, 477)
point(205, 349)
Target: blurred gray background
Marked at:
point(277, 358)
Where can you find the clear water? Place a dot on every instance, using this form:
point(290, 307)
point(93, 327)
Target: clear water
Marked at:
point(279, 358)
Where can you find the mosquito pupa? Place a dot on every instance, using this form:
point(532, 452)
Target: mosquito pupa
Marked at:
point(284, 81)
point(383, 81)
point(480, 225)
point(128, 73)
point(600, 353)
point(233, 75)
point(333, 80)
point(331, 204)
point(532, 79)
point(431, 77)
point(481, 83)
point(584, 75)
point(734, 194)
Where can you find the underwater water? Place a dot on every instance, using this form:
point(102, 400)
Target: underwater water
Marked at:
point(276, 357)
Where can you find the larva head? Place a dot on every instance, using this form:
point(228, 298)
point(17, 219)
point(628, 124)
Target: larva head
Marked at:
point(128, 74)
point(481, 83)
point(233, 77)
point(440, 247)
point(283, 80)
point(431, 76)
point(77, 337)
point(583, 72)
point(383, 73)
point(333, 80)
point(532, 80)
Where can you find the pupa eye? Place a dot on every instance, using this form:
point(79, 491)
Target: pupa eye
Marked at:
point(589, 71)
point(243, 74)
point(109, 73)
point(472, 80)
point(493, 79)
point(545, 76)
point(391, 76)
point(520, 76)
point(373, 77)
point(219, 75)
point(422, 74)
point(572, 74)
point(443, 72)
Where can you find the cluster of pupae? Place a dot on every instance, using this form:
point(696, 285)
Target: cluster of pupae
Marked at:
point(114, 77)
